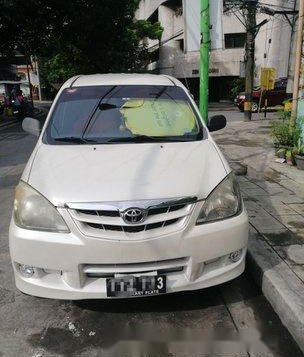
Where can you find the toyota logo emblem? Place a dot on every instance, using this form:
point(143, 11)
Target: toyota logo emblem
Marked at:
point(134, 215)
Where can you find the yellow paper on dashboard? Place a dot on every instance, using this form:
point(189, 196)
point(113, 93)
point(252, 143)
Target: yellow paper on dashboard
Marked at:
point(158, 117)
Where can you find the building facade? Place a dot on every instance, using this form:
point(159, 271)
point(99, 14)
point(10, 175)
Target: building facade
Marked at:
point(177, 53)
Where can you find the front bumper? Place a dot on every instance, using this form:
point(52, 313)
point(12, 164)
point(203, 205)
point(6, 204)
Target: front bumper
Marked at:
point(60, 260)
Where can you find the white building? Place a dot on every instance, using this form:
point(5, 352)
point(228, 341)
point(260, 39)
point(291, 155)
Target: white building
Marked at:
point(178, 55)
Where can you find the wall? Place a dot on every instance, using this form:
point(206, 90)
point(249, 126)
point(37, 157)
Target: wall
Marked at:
point(279, 32)
point(181, 63)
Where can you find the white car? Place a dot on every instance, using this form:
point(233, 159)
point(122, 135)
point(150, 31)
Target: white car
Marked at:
point(125, 194)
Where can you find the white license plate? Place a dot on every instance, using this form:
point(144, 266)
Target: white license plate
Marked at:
point(129, 286)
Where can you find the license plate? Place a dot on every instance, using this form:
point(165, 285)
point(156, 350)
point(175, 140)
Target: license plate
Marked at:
point(129, 286)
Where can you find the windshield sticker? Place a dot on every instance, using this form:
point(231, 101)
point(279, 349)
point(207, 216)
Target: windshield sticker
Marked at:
point(158, 117)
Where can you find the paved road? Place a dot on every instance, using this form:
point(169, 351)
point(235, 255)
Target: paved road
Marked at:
point(232, 318)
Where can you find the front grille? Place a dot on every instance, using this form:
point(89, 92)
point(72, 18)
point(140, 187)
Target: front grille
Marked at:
point(133, 229)
point(107, 221)
point(160, 267)
point(100, 213)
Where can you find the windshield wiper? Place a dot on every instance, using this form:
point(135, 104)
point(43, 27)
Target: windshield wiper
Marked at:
point(74, 139)
point(98, 106)
point(147, 138)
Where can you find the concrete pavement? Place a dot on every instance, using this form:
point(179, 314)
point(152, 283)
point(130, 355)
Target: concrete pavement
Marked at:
point(234, 318)
point(274, 197)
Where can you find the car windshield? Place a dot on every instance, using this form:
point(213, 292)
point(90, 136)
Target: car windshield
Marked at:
point(109, 114)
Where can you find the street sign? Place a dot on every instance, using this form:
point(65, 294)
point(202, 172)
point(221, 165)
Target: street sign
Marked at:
point(268, 76)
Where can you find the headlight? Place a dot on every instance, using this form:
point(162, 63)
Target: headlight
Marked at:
point(33, 211)
point(224, 201)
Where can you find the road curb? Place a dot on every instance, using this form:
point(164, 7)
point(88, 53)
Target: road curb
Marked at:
point(279, 284)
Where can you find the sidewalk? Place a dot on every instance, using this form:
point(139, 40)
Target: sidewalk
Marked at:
point(274, 197)
point(222, 106)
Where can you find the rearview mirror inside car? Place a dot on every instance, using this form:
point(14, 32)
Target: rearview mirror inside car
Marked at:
point(31, 126)
point(217, 122)
point(106, 106)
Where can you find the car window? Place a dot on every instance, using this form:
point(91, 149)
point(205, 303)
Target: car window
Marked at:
point(105, 114)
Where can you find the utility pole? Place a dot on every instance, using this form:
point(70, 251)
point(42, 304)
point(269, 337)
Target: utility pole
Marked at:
point(250, 9)
point(29, 82)
point(204, 58)
point(38, 79)
point(298, 60)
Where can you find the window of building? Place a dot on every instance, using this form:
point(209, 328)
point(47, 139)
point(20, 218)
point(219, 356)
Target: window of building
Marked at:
point(154, 17)
point(235, 40)
point(181, 44)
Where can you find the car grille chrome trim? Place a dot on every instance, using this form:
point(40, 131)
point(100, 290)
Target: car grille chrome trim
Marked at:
point(106, 270)
point(123, 205)
point(97, 219)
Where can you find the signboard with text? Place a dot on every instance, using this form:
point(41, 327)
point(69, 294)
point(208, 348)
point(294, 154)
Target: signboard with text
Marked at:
point(268, 76)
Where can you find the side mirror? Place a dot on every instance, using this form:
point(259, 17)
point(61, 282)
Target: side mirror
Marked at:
point(217, 122)
point(31, 126)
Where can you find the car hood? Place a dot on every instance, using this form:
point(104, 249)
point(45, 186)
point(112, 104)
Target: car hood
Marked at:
point(123, 172)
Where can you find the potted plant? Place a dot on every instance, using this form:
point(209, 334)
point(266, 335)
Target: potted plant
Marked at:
point(299, 157)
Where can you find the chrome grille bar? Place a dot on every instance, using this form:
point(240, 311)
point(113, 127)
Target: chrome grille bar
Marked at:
point(93, 218)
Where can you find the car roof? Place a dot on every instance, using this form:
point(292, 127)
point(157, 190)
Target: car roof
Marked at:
point(121, 79)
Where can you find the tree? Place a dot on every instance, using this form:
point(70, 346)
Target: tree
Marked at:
point(246, 11)
point(76, 36)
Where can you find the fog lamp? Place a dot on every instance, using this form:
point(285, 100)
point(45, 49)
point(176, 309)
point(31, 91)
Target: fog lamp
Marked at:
point(235, 256)
point(26, 270)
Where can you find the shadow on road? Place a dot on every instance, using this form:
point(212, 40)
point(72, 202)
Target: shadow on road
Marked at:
point(183, 301)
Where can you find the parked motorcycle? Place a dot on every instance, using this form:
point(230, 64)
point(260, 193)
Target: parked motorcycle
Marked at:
point(21, 109)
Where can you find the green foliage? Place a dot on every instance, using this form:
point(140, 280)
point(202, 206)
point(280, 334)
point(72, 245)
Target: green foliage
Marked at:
point(287, 133)
point(281, 152)
point(284, 134)
point(288, 154)
point(76, 36)
point(284, 115)
point(147, 29)
point(237, 86)
point(64, 65)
